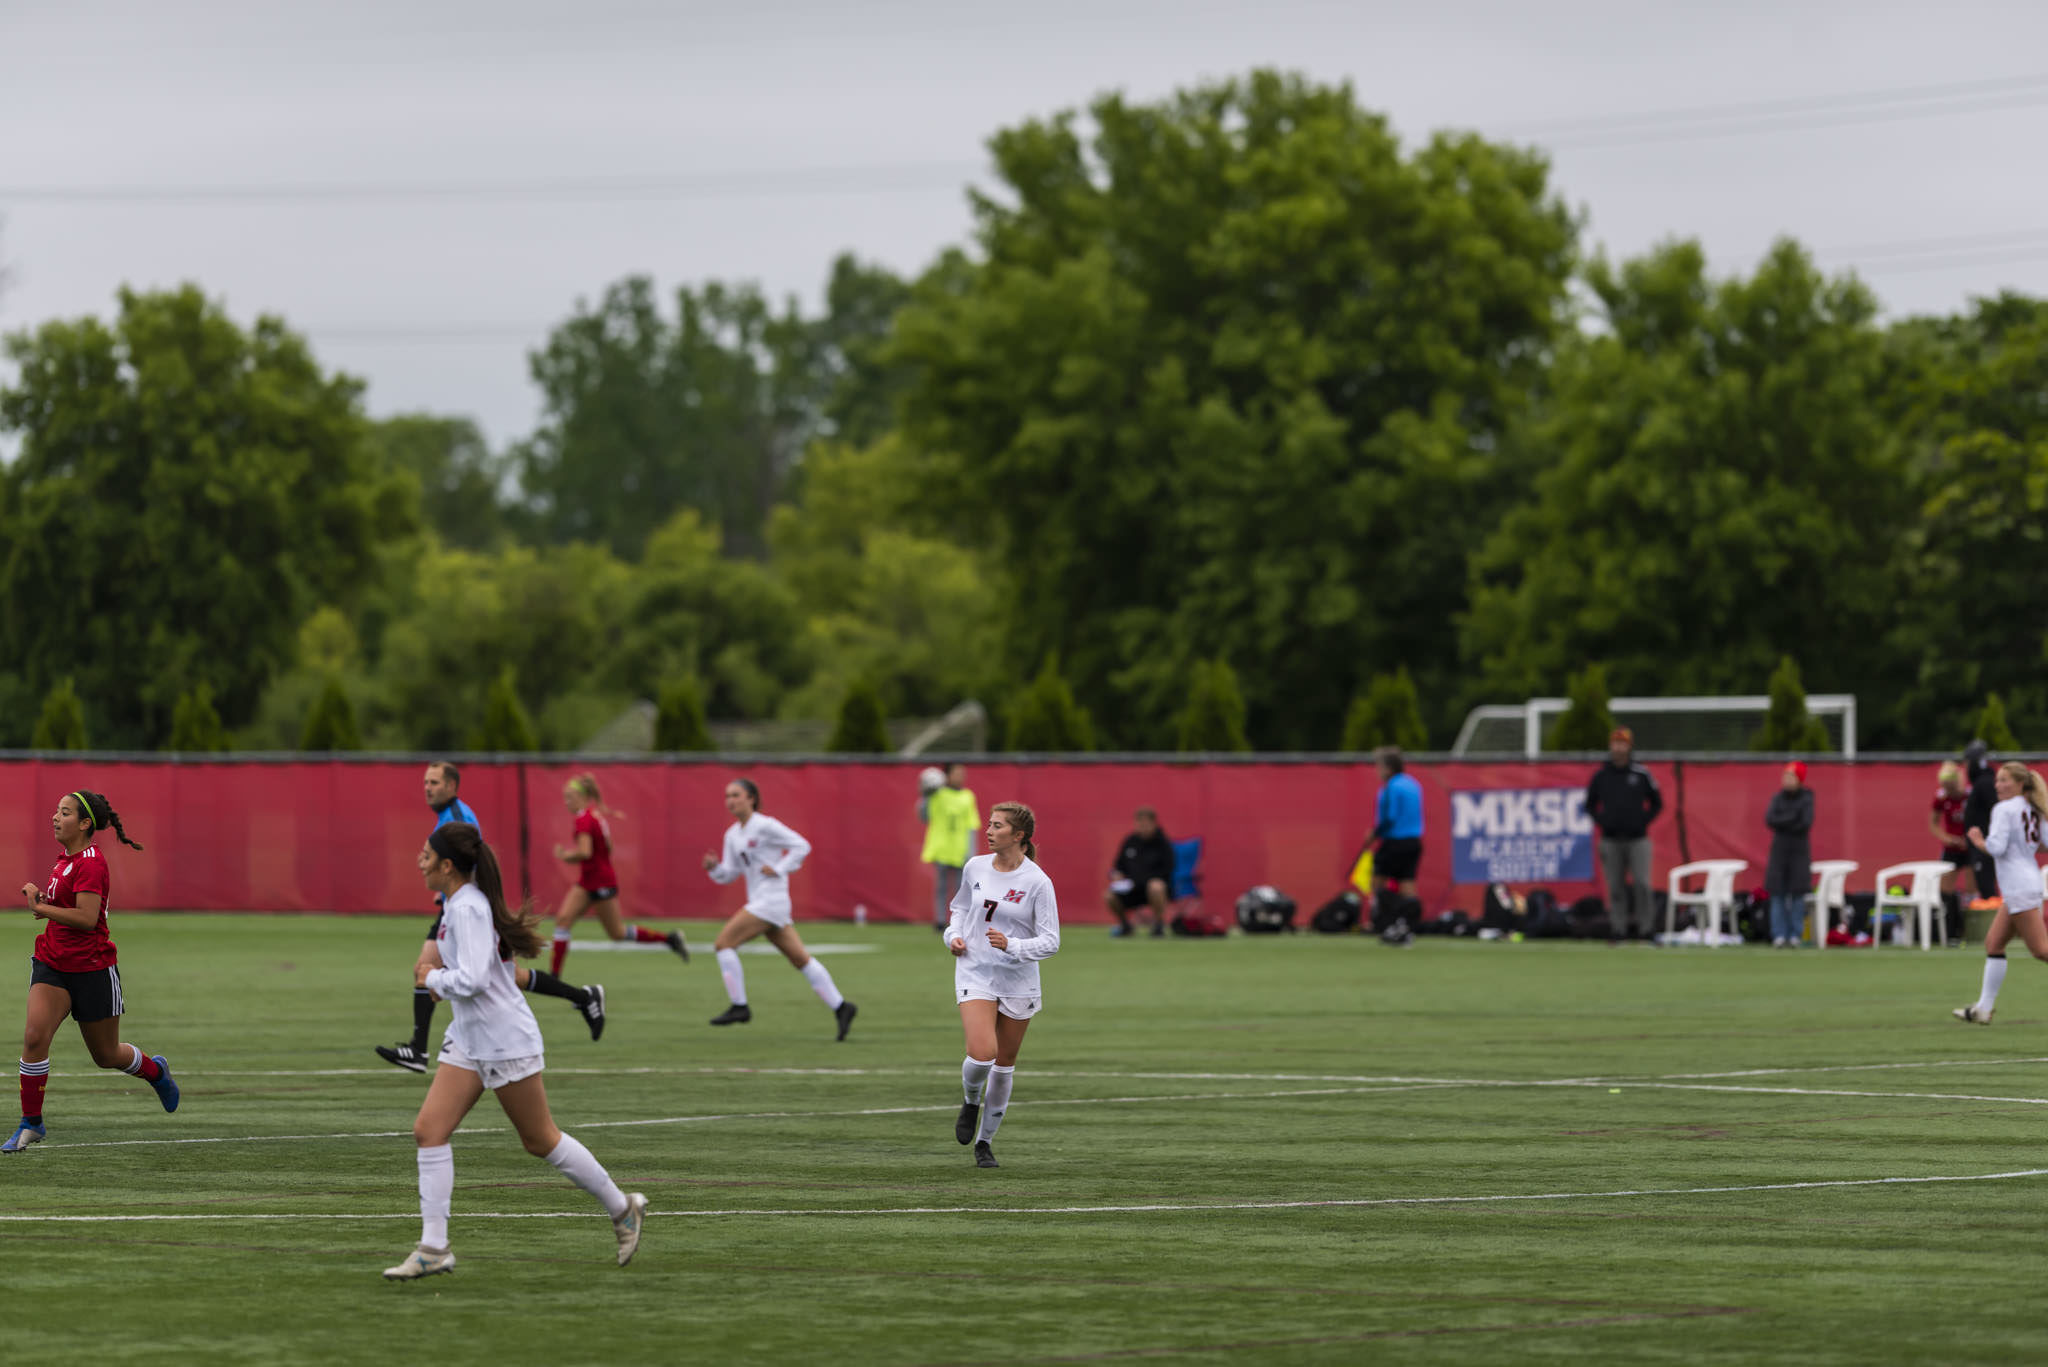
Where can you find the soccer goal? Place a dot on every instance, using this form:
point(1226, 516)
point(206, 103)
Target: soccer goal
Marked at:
point(1662, 724)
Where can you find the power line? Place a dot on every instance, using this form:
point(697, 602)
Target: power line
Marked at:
point(829, 180)
point(1586, 133)
point(1811, 104)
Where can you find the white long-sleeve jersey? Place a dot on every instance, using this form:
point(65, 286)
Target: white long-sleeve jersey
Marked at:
point(752, 848)
point(1020, 905)
point(479, 982)
point(2014, 836)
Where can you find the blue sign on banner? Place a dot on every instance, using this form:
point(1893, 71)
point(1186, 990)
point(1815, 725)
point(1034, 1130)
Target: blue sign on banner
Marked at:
point(1521, 835)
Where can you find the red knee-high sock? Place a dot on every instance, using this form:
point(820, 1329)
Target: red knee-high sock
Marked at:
point(143, 1066)
point(557, 954)
point(643, 936)
point(34, 1077)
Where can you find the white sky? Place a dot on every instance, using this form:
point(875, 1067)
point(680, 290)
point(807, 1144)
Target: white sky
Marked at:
point(435, 301)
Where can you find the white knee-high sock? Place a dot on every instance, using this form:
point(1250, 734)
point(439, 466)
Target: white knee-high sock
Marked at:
point(577, 1164)
point(735, 976)
point(994, 1101)
point(1994, 978)
point(822, 984)
point(973, 1073)
point(437, 1192)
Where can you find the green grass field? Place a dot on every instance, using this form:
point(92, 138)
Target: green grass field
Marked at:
point(1289, 1150)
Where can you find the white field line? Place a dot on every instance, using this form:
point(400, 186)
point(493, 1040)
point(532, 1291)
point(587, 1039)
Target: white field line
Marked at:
point(948, 1108)
point(631, 947)
point(1855, 1067)
point(1195, 1207)
point(1411, 1085)
point(1606, 1079)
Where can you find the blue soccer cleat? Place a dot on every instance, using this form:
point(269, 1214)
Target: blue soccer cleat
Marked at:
point(166, 1089)
point(24, 1135)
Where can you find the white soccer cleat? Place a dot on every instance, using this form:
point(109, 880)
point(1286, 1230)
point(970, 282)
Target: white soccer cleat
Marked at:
point(421, 1262)
point(1970, 1015)
point(627, 1227)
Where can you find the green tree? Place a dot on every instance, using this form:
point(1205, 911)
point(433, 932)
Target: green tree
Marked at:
point(1387, 713)
point(1993, 729)
point(711, 410)
point(461, 481)
point(195, 725)
point(883, 596)
point(860, 728)
point(186, 492)
point(1964, 395)
point(505, 726)
point(331, 723)
point(859, 379)
point(1788, 726)
point(1586, 723)
point(1213, 720)
point(679, 718)
point(62, 723)
point(1716, 475)
point(730, 624)
point(1235, 355)
point(1045, 719)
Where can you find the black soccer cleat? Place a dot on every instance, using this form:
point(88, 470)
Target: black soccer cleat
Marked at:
point(674, 940)
point(844, 1014)
point(404, 1055)
point(984, 1156)
point(734, 1015)
point(968, 1123)
point(593, 1010)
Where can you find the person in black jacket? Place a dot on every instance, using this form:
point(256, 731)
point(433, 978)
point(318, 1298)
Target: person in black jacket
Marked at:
point(1143, 875)
point(1788, 876)
point(1982, 776)
point(1622, 800)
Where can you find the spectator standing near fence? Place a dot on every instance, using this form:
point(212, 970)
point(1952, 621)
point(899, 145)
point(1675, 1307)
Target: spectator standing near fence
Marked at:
point(951, 819)
point(1397, 822)
point(1622, 800)
point(1788, 876)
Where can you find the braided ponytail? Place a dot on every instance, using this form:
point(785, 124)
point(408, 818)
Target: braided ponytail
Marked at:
point(99, 814)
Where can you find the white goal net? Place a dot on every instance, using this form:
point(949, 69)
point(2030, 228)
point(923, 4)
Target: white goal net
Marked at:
point(1724, 725)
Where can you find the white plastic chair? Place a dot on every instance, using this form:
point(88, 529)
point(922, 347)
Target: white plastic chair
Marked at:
point(1830, 893)
point(1923, 895)
point(1716, 895)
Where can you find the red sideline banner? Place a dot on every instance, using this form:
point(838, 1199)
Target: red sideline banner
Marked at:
point(341, 836)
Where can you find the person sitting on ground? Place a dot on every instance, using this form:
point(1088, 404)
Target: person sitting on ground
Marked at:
point(1143, 876)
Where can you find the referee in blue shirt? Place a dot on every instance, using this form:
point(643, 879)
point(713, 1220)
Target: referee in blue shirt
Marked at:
point(443, 785)
point(1397, 824)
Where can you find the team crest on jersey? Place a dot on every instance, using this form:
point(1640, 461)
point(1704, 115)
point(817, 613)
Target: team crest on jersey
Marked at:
point(1014, 895)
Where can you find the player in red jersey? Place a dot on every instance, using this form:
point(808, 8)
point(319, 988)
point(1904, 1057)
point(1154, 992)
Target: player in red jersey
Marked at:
point(75, 971)
point(597, 884)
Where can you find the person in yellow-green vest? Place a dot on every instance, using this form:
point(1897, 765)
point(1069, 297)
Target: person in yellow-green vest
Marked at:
point(950, 822)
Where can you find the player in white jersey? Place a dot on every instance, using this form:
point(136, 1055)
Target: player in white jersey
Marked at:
point(2014, 837)
point(765, 853)
point(1005, 919)
point(493, 1043)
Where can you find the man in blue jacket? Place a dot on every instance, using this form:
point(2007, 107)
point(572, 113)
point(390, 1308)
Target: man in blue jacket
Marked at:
point(1397, 825)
